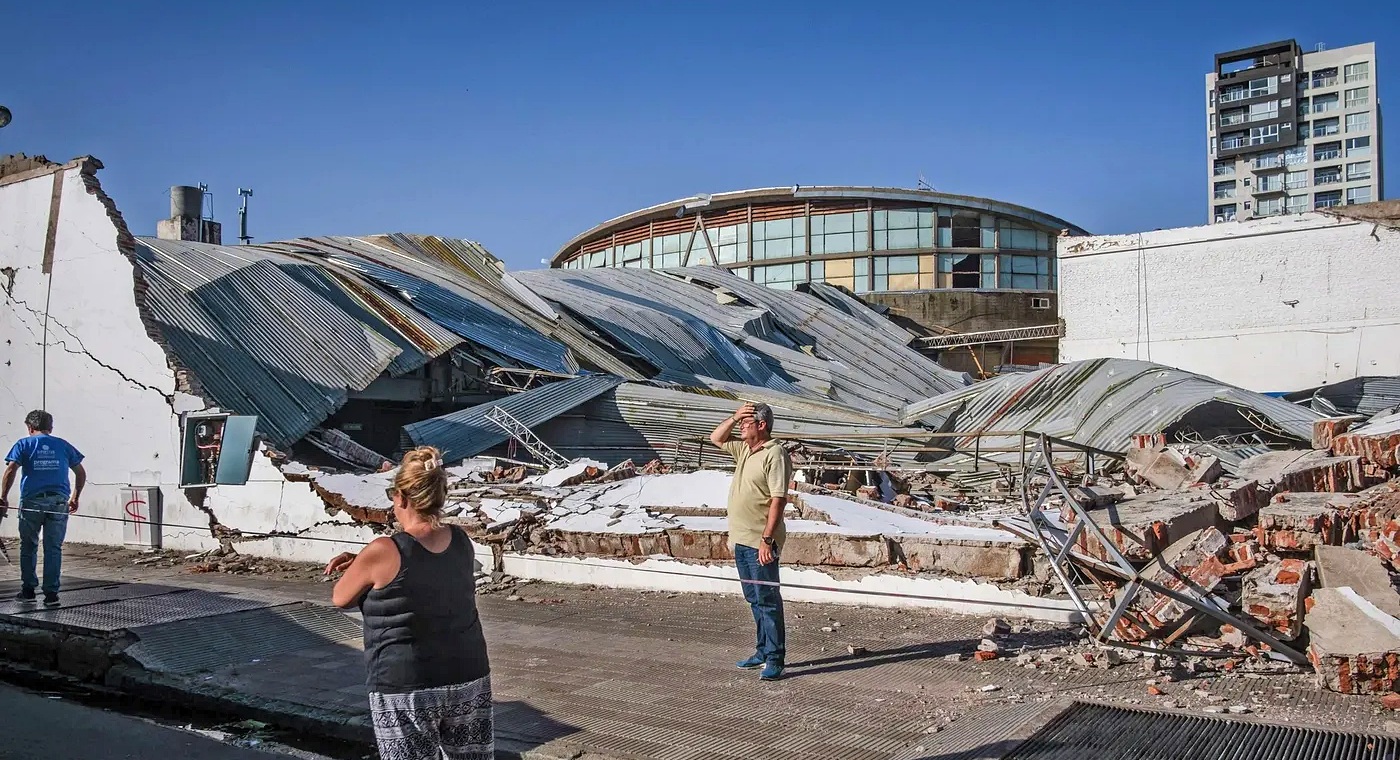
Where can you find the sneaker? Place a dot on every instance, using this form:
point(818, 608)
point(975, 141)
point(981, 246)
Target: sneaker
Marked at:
point(50, 600)
point(751, 663)
point(25, 595)
point(772, 671)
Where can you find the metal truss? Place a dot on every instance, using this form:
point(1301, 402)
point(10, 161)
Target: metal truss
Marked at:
point(1116, 577)
point(1008, 335)
point(526, 437)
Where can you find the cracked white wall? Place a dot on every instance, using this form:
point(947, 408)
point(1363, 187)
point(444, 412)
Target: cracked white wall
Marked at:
point(110, 388)
point(1272, 305)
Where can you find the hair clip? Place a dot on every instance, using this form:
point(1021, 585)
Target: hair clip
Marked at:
point(431, 464)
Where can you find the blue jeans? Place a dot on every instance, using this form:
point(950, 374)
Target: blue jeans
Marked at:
point(47, 513)
point(766, 602)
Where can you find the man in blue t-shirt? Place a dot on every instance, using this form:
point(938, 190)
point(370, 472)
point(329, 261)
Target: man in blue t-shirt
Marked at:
point(45, 501)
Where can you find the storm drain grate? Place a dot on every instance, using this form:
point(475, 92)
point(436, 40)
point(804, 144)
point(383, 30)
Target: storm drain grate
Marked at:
point(1109, 733)
point(206, 643)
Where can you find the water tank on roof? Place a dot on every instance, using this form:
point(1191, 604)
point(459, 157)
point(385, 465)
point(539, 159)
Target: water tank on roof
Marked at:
point(186, 201)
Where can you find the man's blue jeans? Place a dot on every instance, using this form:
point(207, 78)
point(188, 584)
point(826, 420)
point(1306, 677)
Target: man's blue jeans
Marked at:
point(766, 602)
point(47, 513)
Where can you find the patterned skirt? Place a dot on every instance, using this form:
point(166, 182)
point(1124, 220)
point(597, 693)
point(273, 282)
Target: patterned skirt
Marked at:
point(447, 721)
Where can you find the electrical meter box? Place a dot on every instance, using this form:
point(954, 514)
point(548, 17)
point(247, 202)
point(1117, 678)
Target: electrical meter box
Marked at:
point(141, 517)
point(217, 449)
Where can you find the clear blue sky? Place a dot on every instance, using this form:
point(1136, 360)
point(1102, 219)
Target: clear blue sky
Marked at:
point(520, 124)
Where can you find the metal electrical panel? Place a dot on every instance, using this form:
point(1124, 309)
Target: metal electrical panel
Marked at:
point(217, 449)
point(142, 517)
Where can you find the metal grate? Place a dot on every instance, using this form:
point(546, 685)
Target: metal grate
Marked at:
point(1108, 733)
point(205, 643)
point(140, 611)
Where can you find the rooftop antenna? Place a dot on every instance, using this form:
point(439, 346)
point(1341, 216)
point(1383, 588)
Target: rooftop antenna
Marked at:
point(243, 237)
point(1321, 46)
point(923, 184)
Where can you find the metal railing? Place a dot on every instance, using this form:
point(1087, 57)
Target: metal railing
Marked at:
point(1327, 155)
point(1327, 202)
point(1224, 171)
point(1331, 178)
point(1232, 143)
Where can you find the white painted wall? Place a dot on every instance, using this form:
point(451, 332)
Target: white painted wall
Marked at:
point(1215, 300)
point(110, 389)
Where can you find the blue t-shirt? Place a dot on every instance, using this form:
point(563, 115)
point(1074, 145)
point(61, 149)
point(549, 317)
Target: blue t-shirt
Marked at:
point(44, 462)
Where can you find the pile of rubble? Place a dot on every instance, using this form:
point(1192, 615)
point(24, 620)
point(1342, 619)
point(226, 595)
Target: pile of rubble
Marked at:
point(1296, 546)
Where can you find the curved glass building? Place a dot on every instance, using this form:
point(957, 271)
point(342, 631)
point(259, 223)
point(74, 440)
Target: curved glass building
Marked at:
point(867, 239)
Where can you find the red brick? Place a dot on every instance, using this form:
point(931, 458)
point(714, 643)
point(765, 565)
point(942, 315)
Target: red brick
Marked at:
point(984, 656)
point(1391, 701)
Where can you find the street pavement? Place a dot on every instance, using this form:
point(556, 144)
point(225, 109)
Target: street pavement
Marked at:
point(35, 727)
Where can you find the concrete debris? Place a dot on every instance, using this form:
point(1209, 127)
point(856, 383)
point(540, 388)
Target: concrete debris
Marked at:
point(1273, 596)
point(1192, 563)
point(1142, 526)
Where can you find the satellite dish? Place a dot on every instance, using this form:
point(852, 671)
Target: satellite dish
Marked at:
point(5, 116)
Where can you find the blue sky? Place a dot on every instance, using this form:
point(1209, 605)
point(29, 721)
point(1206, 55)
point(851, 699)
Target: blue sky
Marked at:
point(521, 124)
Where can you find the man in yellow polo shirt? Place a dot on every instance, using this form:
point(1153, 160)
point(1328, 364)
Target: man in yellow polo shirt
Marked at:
point(757, 495)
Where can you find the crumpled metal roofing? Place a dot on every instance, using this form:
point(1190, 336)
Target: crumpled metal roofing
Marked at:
point(1360, 395)
point(256, 338)
point(468, 432)
point(857, 309)
point(883, 362)
point(660, 320)
point(1103, 403)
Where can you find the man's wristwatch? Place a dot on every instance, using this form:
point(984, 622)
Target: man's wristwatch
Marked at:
point(769, 540)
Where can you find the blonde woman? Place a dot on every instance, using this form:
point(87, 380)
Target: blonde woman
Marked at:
point(429, 677)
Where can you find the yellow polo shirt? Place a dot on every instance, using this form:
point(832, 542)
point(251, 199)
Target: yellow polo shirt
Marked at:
point(759, 476)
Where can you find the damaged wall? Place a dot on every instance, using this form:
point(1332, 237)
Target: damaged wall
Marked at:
point(1271, 305)
point(107, 383)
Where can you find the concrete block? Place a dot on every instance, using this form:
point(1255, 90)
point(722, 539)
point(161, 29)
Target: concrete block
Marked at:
point(1380, 449)
point(1362, 572)
point(969, 559)
point(1270, 467)
point(1142, 526)
point(1207, 470)
point(1091, 497)
point(1298, 522)
point(1353, 646)
point(1192, 564)
point(1161, 466)
point(1241, 500)
point(836, 550)
point(1273, 595)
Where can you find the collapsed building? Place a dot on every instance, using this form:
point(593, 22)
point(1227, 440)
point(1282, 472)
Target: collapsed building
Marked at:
point(254, 398)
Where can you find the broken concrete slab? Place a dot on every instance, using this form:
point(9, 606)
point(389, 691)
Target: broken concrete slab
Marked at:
point(1142, 526)
point(1354, 646)
point(1364, 573)
point(1274, 594)
point(1241, 500)
point(966, 558)
point(1207, 470)
point(1298, 522)
point(1192, 565)
point(1162, 466)
point(1338, 474)
point(1375, 520)
point(1092, 497)
point(1270, 467)
point(1377, 441)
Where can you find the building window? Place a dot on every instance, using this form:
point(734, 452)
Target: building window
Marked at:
point(1326, 127)
point(1261, 87)
point(1234, 92)
point(1296, 204)
point(959, 228)
point(1295, 180)
point(896, 273)
point(1325, 103)
point(1304, 106)
point(1304, 130)
point(1263, 135)
point(1359, 170)
point(1020, 237)
point(1358, 146)
point(966, 270)
point(780, 276)
point(731, 242)
point(1225, 212)
point(901, 229)
point(1328, 199)
point(1233, 116)
point(1359, 122)
point(1024, 272)
point(1328, 176)
point(1324, 77)
point(1224, 169)
point(1268, 161)
point(1358, 195)
point(1225, 189)
point(779, 238)
point(666, 249)
point(1270, 184)
point(1263, 111)
point(840, 233)
point(1358, 72)
point(1359, 96)
point(1269, 207)
point(1327, 151)
point(1295, 156)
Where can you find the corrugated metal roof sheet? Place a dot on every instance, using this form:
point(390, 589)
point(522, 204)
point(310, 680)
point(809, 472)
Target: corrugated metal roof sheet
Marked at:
point(468, 432)
point(1104, 402)
point(857, 309)
point(1362, 395)
point(257, 339)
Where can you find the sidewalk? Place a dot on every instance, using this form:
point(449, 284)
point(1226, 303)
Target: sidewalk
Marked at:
point(623, 674)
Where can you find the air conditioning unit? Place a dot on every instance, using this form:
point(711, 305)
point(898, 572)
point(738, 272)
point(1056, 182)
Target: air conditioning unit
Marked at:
point(1040, 303)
